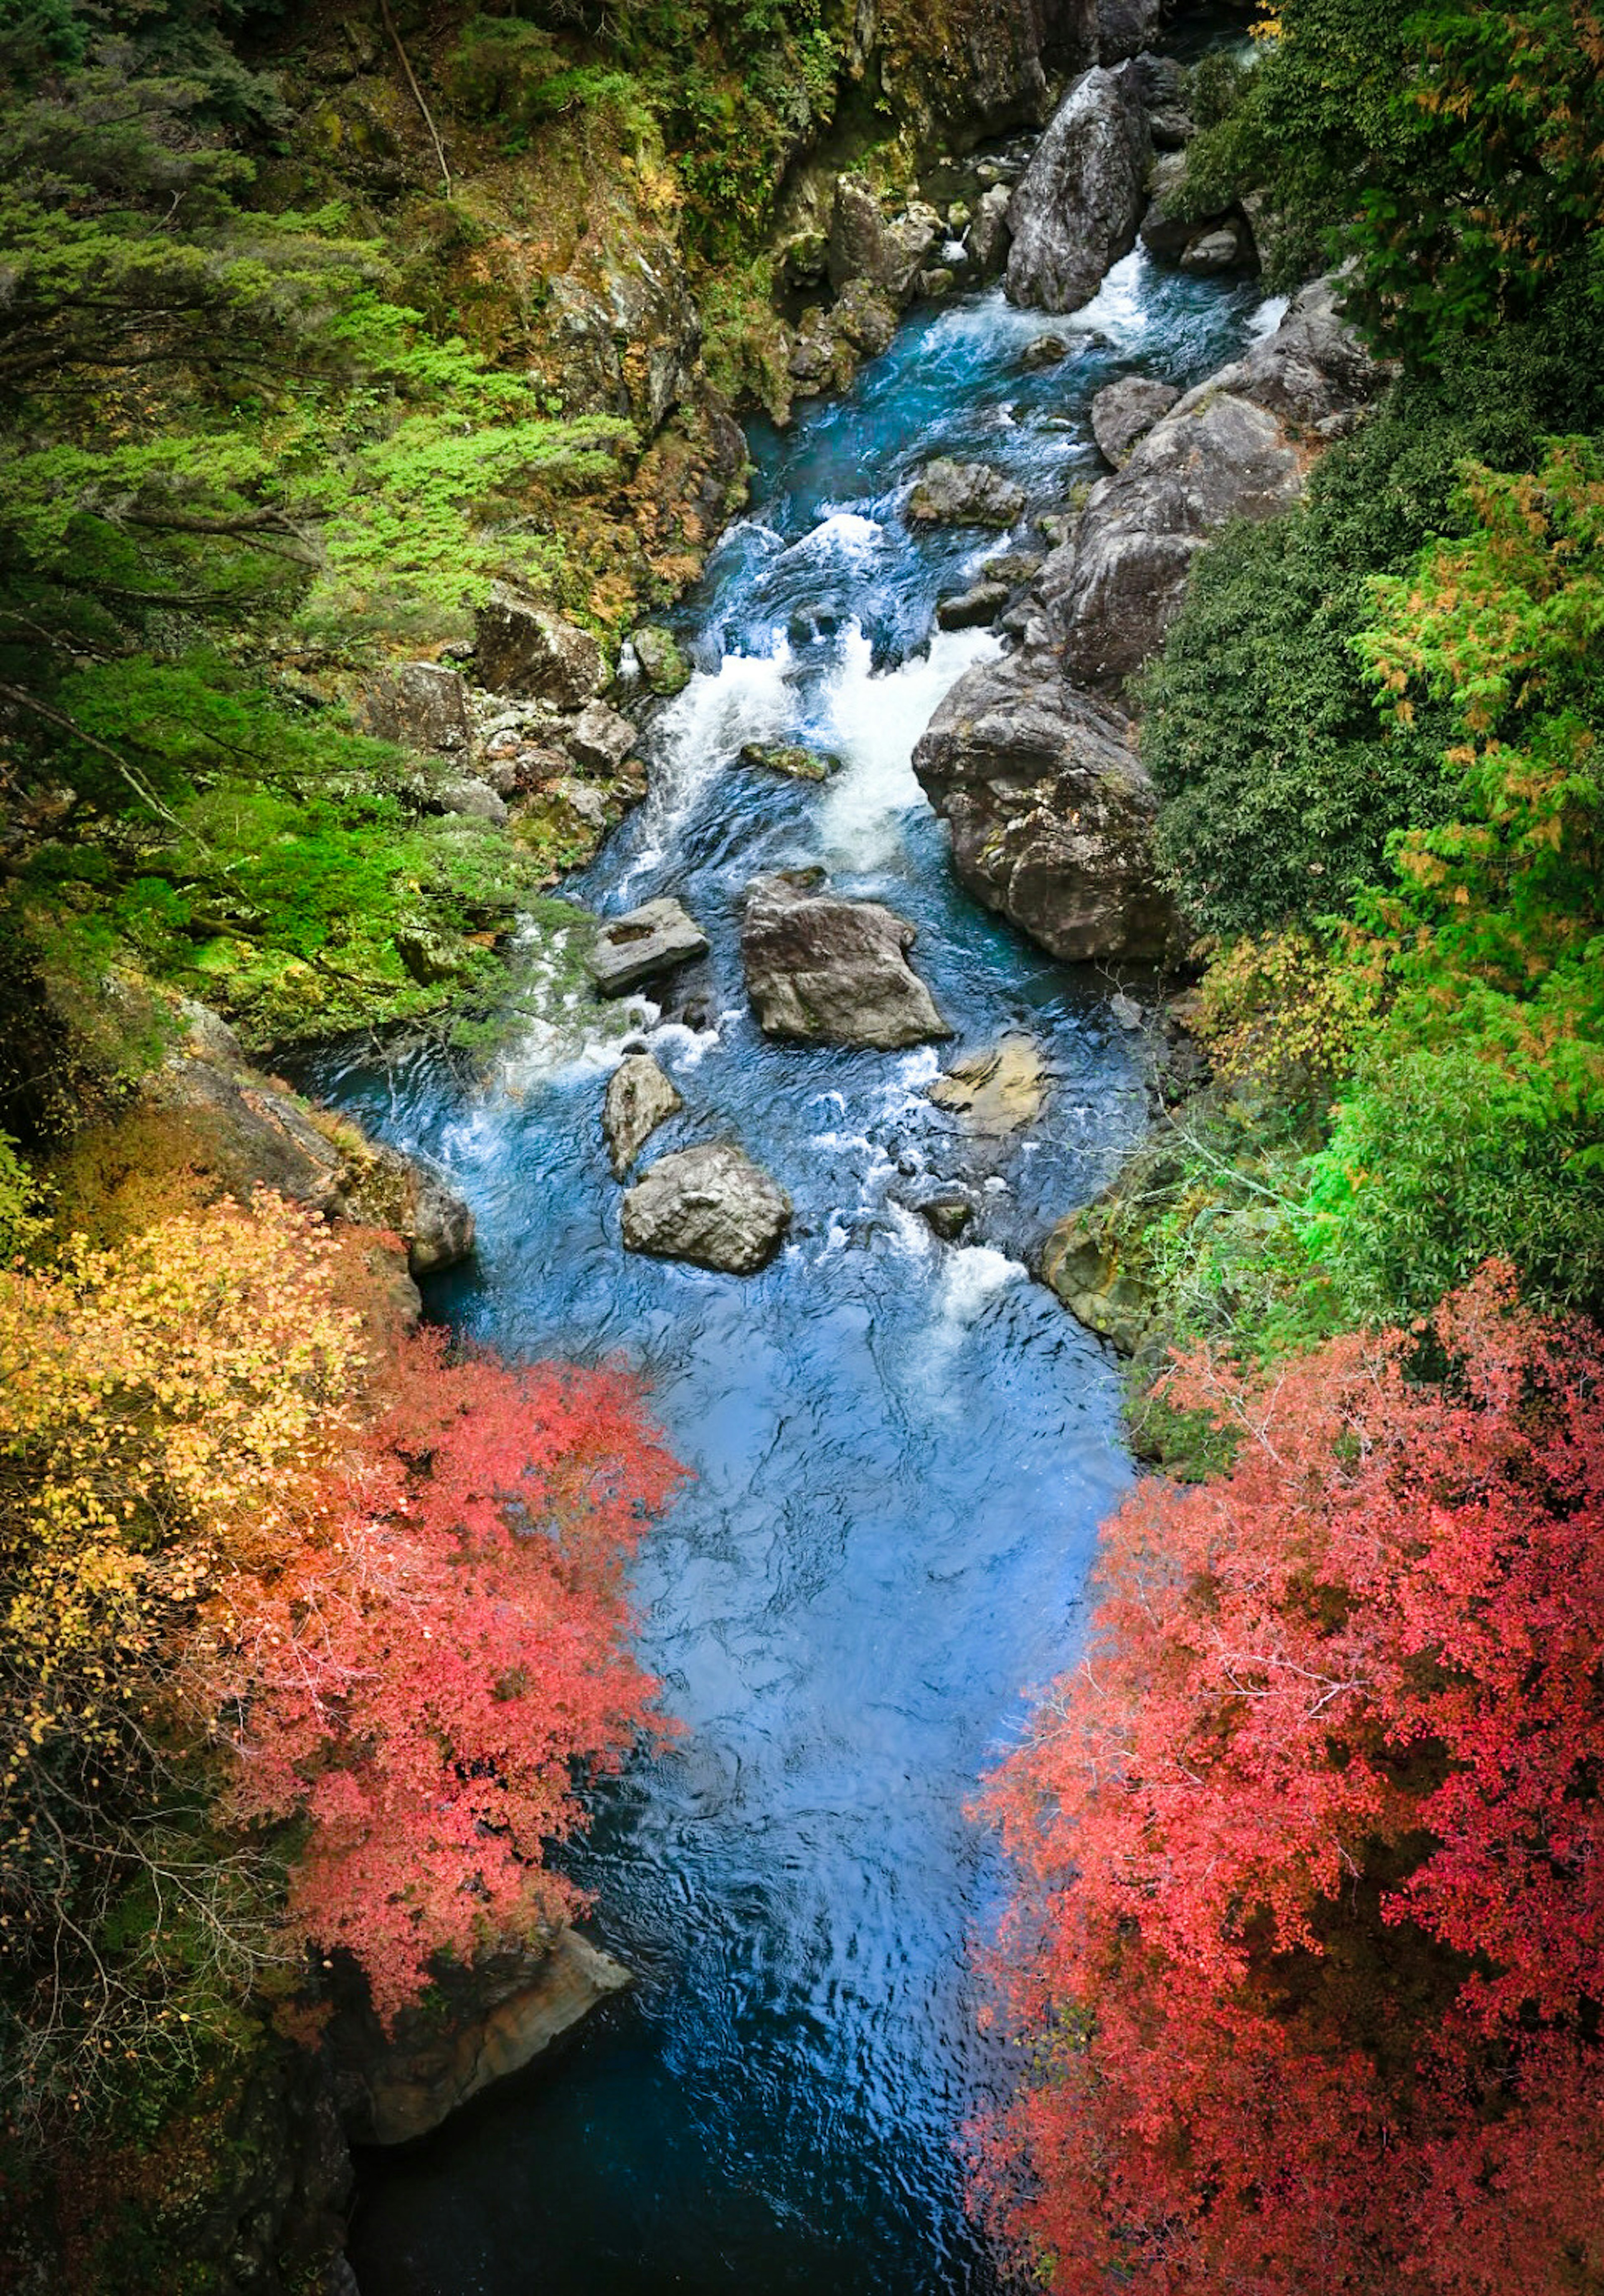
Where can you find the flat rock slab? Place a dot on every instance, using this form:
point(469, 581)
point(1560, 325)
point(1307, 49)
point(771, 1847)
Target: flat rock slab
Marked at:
point(652, 940)
point(639, 1098)
point(712, 1206)
point(999, 1090)
point(823, 971)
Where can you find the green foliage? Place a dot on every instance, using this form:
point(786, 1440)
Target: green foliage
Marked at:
point(1282, 778)
point(1439, 1157)
point(1457, 150)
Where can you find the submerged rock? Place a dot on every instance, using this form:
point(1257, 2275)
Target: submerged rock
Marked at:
point(523, 647)
point(650, 940)
point(1124, 412)
point(825, 970)
point(998, 1091)
point(1075, 210)
point(790, 758)
point(711, 1205)
point(1050, 809)
point(1082, 1263)
point(948, 1215)
point(639, 1098)
point(964, 493)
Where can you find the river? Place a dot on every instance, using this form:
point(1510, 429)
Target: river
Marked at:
point(901, 1448)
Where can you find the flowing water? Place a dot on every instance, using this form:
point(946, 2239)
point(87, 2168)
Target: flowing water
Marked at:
point(901, 1448)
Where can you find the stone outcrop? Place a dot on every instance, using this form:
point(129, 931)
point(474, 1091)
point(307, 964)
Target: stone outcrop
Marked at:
point(1122, 412)
point(964, 493)
point(1076, 210)
point(821, 970)
point(1050, 809)
point(421, 704)
point(986, 240)
point(1238, 445)
point(1164, 231)
point(648, 942)
point(996, 1091)
point(252, 1131)
point(1081, 1261)
point(710, 1205)
point(523, 647)
point(493, 2020)
point(639, 1098)
point(864, 244)
point(619, 328)
point(600, 739)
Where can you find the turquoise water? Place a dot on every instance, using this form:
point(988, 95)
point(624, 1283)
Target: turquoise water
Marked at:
point(901, 1448)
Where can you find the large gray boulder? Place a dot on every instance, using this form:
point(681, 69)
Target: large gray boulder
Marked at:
point(865, 245)
point(964, 493)
point(710, 1205)
point(825, 970)
point(1124, 411)
point(523, 647)
point(986, 240)
point(1125, 28)
point(639, 1098)
point(650, 940)
point(1077, 208)
point(421, 704)
point(1240, 446)
point(1050, 809)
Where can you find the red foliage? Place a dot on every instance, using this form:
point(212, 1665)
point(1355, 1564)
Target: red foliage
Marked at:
point(416, 1673)
point(1307, 1938)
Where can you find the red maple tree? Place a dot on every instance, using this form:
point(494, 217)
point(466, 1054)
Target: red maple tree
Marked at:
point(421, 1672)
point(1306, 1941)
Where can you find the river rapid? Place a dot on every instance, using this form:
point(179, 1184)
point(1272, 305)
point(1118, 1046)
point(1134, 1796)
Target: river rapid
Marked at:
point(901, 1447)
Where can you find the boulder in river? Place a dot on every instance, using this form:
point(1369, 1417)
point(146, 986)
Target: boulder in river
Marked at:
point(973, 609)
point(1075, 210)
point(650, 940)
point(523, 647)
point(1122, 412)
point(825, 970)
point(986, 240)
point(662, 665)
point(964, 493)
point(711, 1205)
point(1238, 445)
point(639, 1098)
point(1050, 808)
point(790, 758)
point(998, 1091)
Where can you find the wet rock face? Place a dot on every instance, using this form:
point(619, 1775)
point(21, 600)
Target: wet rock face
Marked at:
point(1077, 207)
point(1124, 410)
point(711, 1206)
point(421, 704)
point(965, 494)
point(495, 2018)
point(1240, 446)
point(622, 331)
point(639, 1098)
point(1050, 810)
point(649, 941)
point(1126, 26)
point(522, 647)
point(825, 970)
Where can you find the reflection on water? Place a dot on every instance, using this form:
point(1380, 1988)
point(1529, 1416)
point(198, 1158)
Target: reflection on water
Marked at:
point(901, 1448)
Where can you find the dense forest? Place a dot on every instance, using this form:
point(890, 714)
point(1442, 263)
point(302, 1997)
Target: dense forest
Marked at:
point(324, 334)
